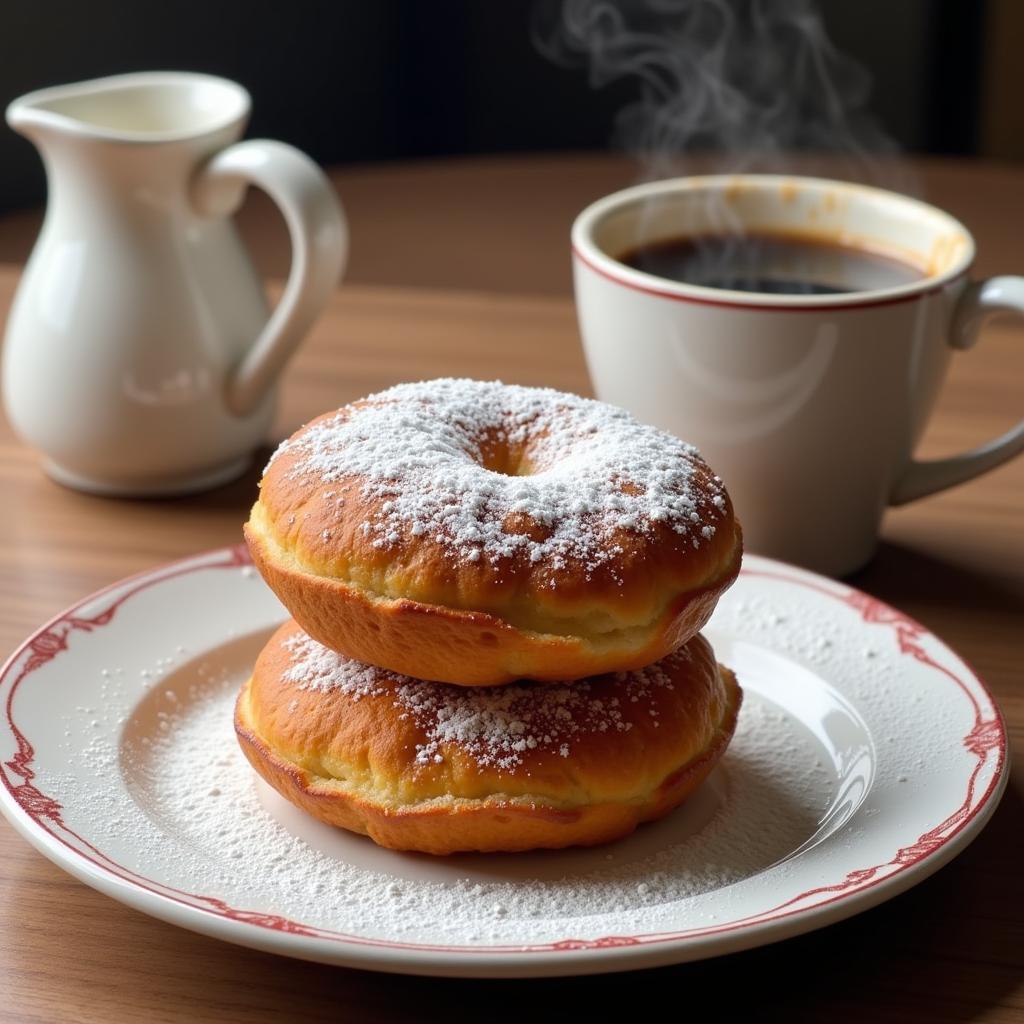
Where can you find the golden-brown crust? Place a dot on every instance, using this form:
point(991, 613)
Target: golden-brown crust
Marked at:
point(416, 605)
point(351, 760)
point(469, 648)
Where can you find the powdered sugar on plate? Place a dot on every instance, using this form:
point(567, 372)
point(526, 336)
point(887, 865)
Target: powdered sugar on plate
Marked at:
point(210, 826)
point(867, 753)
point(591, 470)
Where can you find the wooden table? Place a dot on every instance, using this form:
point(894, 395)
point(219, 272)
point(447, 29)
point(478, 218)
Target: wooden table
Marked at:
point(480, 288)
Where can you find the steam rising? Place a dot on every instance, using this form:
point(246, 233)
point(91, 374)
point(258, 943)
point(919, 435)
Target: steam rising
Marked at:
point(750, 82)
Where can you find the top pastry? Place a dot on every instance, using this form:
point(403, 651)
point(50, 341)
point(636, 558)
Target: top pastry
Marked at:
point(476, 533)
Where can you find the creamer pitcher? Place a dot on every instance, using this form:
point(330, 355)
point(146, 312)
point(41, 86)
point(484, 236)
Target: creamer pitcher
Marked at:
point(140, 355)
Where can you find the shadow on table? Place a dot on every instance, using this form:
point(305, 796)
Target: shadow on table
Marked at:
point(238, 494)
point(907, 577)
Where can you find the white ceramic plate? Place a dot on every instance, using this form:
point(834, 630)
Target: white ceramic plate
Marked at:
point(868, 754)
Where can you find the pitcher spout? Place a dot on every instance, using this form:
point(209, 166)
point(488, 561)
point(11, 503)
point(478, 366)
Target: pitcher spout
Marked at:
point(32, 120)
point(145, 107)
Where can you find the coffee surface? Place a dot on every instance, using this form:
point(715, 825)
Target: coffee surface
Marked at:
point(772, 263)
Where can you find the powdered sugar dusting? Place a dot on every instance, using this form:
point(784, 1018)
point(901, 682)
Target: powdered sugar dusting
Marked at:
point(164, 788)
point(246, 845)
point(494, 725)
point(592, 471)
point(133, 736)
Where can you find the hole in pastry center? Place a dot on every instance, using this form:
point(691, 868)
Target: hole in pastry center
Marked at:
point(506, 459)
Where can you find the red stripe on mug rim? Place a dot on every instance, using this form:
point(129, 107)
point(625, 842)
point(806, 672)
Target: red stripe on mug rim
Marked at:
point(841, 302)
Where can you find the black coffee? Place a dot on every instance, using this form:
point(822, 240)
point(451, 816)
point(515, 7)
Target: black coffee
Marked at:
point(779, 264)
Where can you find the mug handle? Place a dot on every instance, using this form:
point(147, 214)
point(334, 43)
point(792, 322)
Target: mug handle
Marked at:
point(979, 301)
point(319, 237)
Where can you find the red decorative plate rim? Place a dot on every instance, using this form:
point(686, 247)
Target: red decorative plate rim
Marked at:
point(38, 816)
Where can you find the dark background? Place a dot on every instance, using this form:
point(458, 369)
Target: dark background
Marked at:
point(376, 80)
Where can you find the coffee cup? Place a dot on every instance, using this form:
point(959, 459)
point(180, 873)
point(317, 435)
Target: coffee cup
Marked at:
point(797, 331)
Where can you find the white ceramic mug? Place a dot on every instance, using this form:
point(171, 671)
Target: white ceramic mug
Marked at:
point(808, 406)
point(140, 356)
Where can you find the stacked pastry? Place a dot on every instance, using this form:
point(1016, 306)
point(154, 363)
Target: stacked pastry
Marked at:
point(496, 594)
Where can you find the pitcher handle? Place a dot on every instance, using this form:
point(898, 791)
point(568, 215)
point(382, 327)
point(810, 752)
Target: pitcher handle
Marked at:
point(319, 237)
point(979, 301)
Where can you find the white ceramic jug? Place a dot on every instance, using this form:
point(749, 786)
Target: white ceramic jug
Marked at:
point(140, 355)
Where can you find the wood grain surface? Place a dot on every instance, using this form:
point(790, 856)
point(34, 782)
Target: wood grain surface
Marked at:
point(464, 271)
